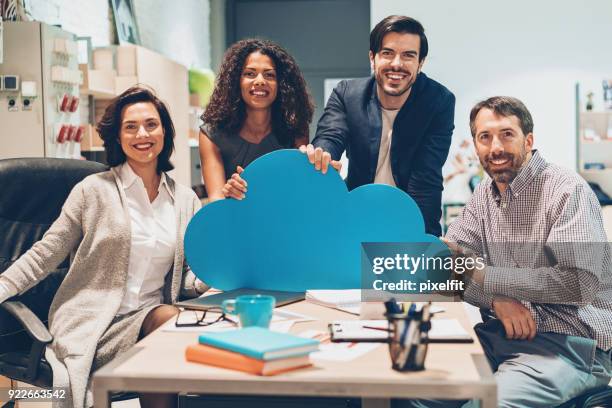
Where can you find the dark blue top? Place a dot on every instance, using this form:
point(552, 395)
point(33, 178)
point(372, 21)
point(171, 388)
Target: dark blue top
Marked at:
point(422, 134)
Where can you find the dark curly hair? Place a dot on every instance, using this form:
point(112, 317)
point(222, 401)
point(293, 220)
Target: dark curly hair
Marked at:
point(109, 126)
point(291, 111)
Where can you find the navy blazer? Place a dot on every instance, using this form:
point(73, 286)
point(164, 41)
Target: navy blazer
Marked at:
point(422, 134)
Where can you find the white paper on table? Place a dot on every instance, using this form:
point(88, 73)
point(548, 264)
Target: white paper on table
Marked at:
point(441, 329)
point(282, 321)
point(283, 314)
point(352, 309)
point(357, 308)
point(329, 351)
point(334, 298)
point(283, 326)
point(349, 300)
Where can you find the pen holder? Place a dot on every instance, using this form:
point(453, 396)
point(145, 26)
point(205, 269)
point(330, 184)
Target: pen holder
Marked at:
point(408, 339)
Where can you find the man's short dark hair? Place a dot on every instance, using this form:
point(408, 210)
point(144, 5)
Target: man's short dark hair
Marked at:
point(504, 106)
point(109, 126)
point(398, 24)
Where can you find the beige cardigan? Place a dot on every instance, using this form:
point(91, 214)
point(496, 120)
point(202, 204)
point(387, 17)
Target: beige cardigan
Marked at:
point(94, 227)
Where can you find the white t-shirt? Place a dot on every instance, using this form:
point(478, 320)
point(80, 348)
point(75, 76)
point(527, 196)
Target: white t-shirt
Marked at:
point(384, 174)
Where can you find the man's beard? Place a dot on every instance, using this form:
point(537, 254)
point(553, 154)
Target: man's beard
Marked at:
point(380, 80)
point(506, 175)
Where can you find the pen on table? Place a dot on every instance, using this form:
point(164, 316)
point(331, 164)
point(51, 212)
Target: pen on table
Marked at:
point(412, 309)
point(377, 328)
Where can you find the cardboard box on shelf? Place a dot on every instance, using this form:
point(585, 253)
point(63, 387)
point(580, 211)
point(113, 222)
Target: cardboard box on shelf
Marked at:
point(99, 83)
point(103, 59)
point(91, 139)
point(126, 60)
point(122, 83)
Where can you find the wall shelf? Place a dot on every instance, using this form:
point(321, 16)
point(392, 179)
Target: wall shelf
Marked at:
point(590, 125)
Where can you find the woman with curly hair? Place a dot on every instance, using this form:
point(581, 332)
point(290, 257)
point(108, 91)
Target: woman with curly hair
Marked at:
point(260, 104)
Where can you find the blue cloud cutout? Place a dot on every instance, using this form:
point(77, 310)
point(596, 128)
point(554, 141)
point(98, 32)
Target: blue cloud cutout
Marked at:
point(297, 228)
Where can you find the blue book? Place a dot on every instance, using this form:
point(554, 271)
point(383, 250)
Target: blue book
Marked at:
point(260, 343)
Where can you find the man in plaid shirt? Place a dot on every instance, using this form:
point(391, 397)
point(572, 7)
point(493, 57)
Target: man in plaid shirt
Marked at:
point(546, 293)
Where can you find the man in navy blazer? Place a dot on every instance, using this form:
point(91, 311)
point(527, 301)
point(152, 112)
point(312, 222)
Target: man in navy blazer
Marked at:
point(396, 126)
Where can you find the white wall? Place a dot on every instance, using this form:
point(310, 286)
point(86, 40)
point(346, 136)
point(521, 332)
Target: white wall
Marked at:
point(85, 18)
point(178, 30)
point(533, 50)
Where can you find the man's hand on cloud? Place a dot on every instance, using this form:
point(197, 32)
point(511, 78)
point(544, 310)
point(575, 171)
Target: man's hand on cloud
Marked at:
point(320, 158)
point(455, 248)
point(515, 317)
point(236, 186)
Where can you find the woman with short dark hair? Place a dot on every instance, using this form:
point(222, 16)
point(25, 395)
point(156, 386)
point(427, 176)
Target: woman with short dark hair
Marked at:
point(260, 104)
point(124, 228)
point(109, 127)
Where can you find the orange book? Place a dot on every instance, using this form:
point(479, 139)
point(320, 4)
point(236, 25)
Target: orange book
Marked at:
point(199, 353)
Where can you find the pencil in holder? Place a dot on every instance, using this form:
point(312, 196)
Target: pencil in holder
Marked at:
point(408, 338)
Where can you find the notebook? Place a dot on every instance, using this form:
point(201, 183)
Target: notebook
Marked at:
point(260, 343)
point(206, 302)
point(199, 353)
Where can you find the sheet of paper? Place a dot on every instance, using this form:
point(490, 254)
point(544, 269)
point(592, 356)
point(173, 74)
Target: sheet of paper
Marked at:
point(369, 329)
point(349, 301)
point(334, 297)
point(352, 309)
point(282, 321)
point(447, 329)
point(329, 351)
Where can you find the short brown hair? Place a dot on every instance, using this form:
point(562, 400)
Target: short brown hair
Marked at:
point(109, 126)
point(504, 106)
point(398, 24)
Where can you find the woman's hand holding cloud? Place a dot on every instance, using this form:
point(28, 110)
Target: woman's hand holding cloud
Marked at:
point(236, 186)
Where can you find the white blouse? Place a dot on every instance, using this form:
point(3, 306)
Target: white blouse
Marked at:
point(153, 241)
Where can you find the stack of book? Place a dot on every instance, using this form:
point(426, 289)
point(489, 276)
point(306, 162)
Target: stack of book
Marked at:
point(253, 349)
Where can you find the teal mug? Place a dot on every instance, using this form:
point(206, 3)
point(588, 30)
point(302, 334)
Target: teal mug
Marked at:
point(252, 310)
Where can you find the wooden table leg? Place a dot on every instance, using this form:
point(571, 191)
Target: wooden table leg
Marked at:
point(101, 397)
point(5, 383)
point(490, 401)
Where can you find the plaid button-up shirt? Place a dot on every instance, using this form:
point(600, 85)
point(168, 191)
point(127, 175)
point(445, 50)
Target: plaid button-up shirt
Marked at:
point(544, 244)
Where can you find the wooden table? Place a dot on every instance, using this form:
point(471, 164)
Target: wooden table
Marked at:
point(157, 364)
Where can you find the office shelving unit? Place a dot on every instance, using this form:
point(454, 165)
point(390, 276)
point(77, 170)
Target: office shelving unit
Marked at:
point(594, 144)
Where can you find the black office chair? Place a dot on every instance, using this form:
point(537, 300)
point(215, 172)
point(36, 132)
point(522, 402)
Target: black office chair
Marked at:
point(599, 398)
point(33, 192)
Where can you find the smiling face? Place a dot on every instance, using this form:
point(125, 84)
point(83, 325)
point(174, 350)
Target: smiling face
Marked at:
point(501, 146)
point(258, 84)
point(396, 65)
point(142, 134)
